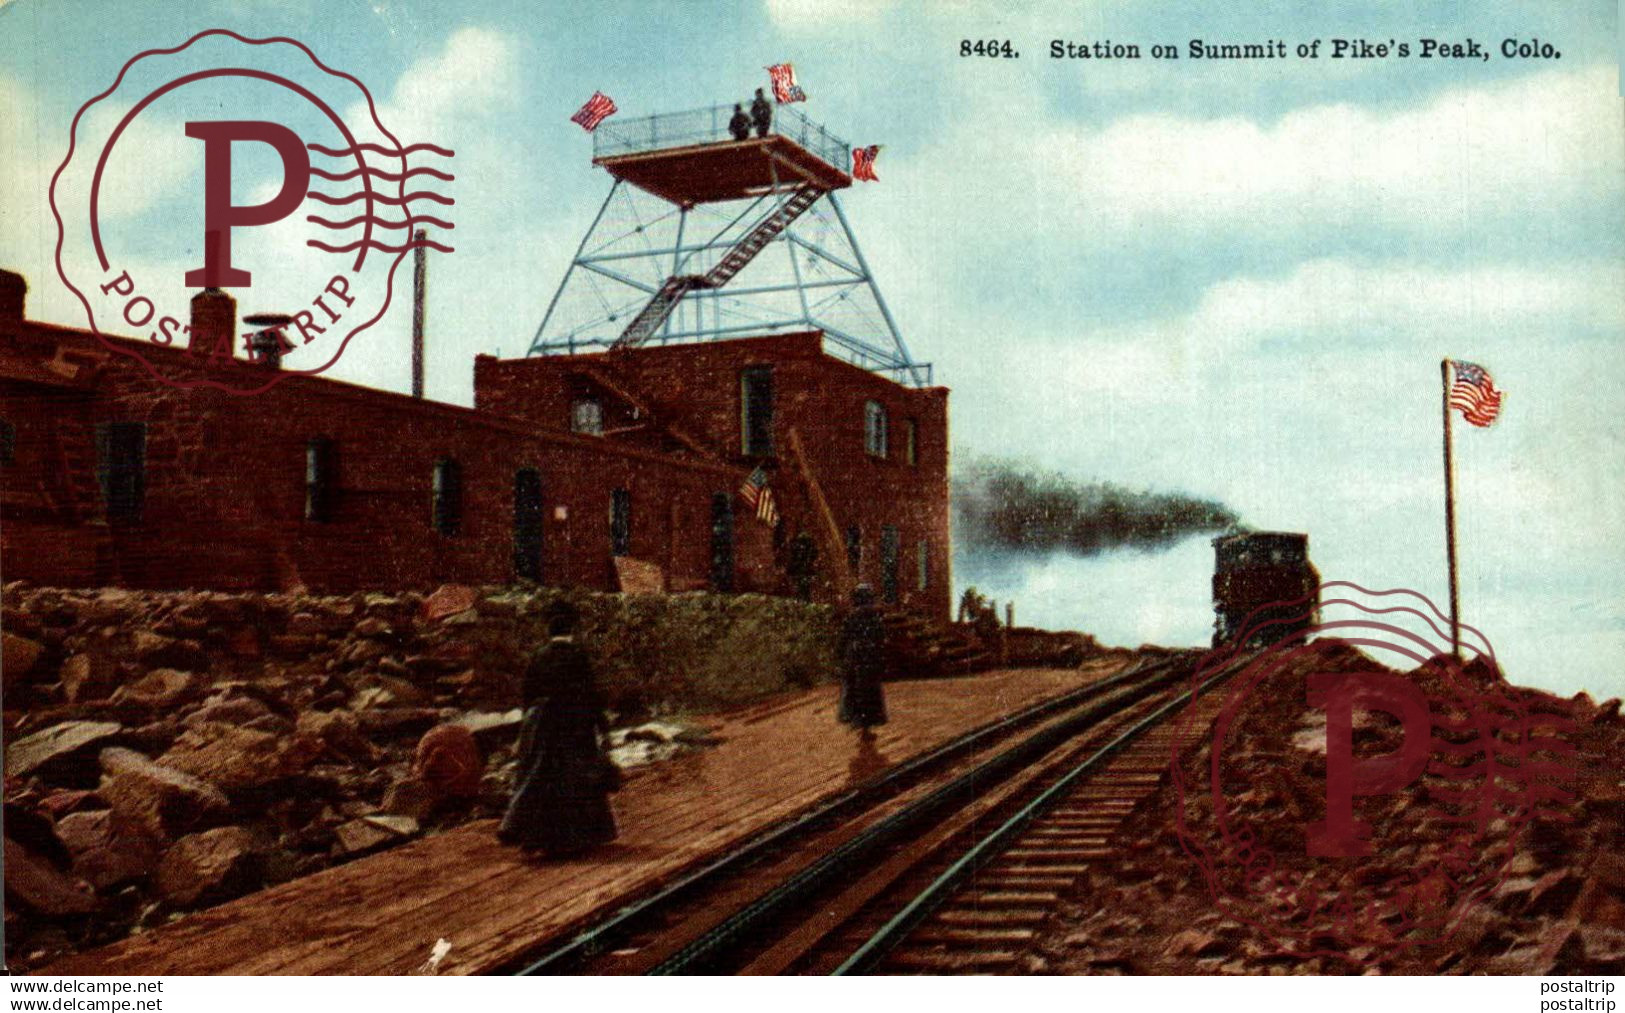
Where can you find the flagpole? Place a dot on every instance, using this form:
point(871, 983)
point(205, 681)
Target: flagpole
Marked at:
point(1450, 511)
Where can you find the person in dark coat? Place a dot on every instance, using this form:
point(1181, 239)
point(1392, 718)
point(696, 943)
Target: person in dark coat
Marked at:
point(761, 113)
point(739, 126)
point(863, 700)
point(560, 802)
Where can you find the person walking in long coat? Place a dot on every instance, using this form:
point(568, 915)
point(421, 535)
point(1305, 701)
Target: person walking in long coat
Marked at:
point(560, 802)
point(863, 700)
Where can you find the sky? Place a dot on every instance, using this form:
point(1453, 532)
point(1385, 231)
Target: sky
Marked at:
point(1232, 279)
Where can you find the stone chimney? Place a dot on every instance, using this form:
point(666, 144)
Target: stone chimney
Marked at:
point(214, 323)
point(267, 342)
point(13, 294)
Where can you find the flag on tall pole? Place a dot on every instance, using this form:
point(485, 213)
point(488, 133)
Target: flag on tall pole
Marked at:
point(760, 497)
point(785, 88)
point(596, 110)
point(1468, 389)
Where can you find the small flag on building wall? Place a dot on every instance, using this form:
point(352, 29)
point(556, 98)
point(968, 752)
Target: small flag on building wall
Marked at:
point(863, 163)
point(598, 108)
point(760, 497)
point(785, 88)
point(1473, 393)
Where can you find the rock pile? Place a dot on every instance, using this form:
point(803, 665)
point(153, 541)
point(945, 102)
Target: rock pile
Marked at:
point(1550, 893)
point(170, 750)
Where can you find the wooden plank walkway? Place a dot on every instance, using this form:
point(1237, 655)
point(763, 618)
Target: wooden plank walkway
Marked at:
point(383, 914)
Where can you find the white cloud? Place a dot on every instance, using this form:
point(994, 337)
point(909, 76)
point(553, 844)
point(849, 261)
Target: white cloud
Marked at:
point(1467, 155)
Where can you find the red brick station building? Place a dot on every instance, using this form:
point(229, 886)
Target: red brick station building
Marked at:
point(618, 470)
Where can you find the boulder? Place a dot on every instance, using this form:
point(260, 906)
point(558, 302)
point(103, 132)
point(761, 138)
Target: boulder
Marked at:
point(373, 627)
point(409, 796)
point(238, 759)
point(18, 655)
point(448, 600)
point(448, 760)
point(108, 848)
point(159, 651)
point(340, 731)
point(369, 833)
point(492, 727)
point(87, 677)
point(160, 689)
point(227, 709)
point(210, 866)
point(160, 798)
point(60, 752)
point(37, 884)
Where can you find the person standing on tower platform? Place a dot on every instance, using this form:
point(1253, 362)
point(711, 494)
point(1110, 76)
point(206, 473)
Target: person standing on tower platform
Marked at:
point(739, 126)
point(761, 114)
point(863, 700)
point(560, 802)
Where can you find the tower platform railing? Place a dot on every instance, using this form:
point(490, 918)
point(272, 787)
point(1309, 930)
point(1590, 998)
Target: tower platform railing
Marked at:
point(709, 125)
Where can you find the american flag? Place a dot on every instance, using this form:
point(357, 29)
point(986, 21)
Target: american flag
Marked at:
point(1473, 393)
point(598, 108)
point(863, 163)
point(760, 497)
point(785, 88)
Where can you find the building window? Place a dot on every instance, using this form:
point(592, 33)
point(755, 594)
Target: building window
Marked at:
point(8, 441)
point(620, 523)
point(756, 411)
point(923, 565)
point(587, 416)
point(319, 480)
point(911, 441)
point(854, 549)
point(874, 429)
point(448, 496)
point(890, 550)
point(121, 450)
point(722, 542)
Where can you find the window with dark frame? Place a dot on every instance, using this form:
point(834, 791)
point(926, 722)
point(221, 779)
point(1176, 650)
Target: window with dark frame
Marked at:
point(756, 411)
point(911, 441)
point(722, 542)
point(121, 451)
point(620, 522)
point(923, 566)
point(854, 549)
point(890, 550)
point(448, 496)
point(587, 416)
point(319, 480)
point(874, 429)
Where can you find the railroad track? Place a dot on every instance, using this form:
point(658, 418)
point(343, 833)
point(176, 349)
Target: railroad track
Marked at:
point(939, 864)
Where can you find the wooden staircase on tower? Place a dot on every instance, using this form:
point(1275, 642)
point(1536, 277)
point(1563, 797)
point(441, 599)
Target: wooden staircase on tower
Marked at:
point(661, 304)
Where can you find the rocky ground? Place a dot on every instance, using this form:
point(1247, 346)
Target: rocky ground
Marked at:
point(166, 752)
point(1546, 896)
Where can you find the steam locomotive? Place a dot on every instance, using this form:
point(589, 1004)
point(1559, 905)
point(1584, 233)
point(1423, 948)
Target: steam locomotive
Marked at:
point(1267, 573)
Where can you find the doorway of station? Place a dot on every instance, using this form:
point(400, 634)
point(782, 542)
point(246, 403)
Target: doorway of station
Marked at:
point(722, 542)
point(527, 524)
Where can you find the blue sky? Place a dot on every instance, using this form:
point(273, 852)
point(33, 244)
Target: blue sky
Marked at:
point(1233, 279)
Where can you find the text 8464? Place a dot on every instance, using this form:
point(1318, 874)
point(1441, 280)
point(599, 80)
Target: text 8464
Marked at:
point(988, 47)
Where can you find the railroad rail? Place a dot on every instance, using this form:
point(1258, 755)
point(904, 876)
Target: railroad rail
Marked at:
point(813, 893)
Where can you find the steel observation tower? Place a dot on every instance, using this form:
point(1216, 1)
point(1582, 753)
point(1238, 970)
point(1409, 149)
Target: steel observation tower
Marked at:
point(704, 238)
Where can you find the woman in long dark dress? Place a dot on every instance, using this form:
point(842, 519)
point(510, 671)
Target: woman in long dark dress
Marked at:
point(863, 700)
point(560, 802)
